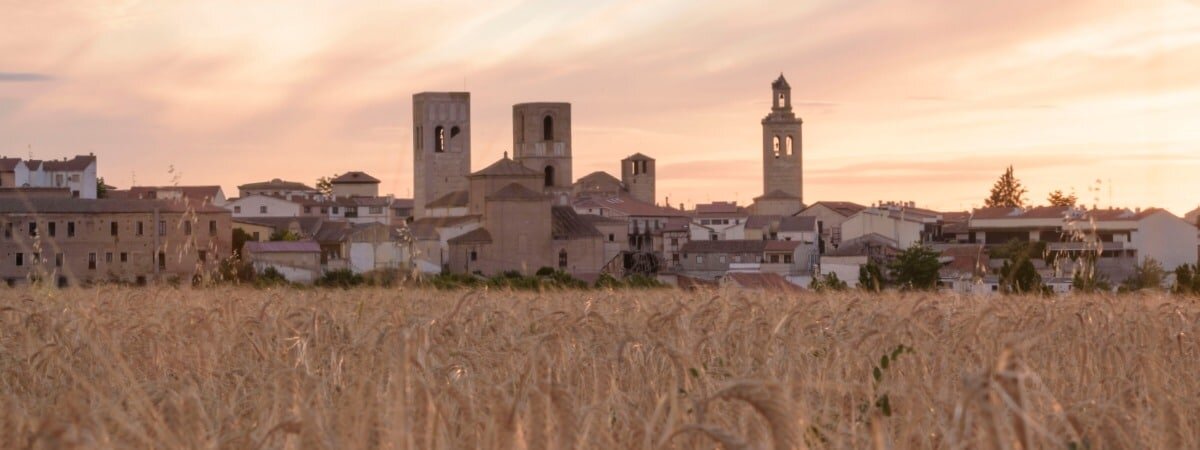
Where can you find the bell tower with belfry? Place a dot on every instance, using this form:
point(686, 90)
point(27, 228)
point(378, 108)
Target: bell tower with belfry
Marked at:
point(782, 144)
point(783, 169)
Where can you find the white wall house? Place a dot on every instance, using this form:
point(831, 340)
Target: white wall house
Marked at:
point(77, 174)
point(904, 231)
point(1168, 239)
point(263, 206)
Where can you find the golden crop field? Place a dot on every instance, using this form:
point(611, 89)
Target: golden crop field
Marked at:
point(241, 368)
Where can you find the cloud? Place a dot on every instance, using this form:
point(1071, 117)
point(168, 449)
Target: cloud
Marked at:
point(23, 77)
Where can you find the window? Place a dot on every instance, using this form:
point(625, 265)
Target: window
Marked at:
point(58, 259)
point(375, 210)
point(58, 180)
point(262, 209)
point(712, 236)
point(8, 230)
point(33, 228)
point(20, 259)
point(721, 259)
point(237, 209)
point(439, 139)
point(699, 259)
point(308, 210)
point(737, 258)
point(124, 257)
point(162, 228)
point(162, 261)
point(324, 210)
point(141, 228)
point(774, 259)
point(611, 237)
point(108, 257)
point(187, 228)
point(453, 132)
point(562, 259)
point(787, 259)
point(674, 241)
point(202, 255)
point(91, 261)
point(74, 178)
point(212, 228)
point(335, 210)
point(70, 229)
point(255, 234)
point(548, 129)
point(789, 149)
point(777, 144)
point(474, 255)
point(51, 228)
point(549, 181)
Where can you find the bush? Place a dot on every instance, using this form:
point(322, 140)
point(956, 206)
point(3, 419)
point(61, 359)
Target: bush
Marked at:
point(1147, 275)
point(826, 283)
point(870, 278)
point(916, 268)
point(343, 278)
point(270, 277)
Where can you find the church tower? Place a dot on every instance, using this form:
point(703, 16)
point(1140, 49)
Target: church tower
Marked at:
point(782, 148)
point(441, 146)
point(637, 174)
point(542, 142)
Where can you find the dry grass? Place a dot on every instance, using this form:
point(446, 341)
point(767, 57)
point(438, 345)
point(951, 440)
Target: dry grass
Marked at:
point(240, 368)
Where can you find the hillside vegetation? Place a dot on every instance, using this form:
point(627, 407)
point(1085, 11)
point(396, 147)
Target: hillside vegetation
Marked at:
point(422, 369)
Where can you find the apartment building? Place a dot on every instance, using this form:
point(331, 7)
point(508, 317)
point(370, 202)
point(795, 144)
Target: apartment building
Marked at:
point(78, 241)
point(77, 175)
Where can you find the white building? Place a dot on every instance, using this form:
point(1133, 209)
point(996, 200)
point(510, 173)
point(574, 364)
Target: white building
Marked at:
point(904, 230)
point(77, 174)
point(258, 205)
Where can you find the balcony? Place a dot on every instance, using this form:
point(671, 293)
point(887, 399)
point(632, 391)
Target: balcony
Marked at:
point(1087, 246)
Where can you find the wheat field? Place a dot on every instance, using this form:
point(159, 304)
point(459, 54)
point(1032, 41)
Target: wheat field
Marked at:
point(241, 368)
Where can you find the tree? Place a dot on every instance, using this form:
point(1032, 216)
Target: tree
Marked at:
point(916, 268)
point(1019, 276)
point(1007, 192)
point(325, 185)
point(827, 282)
point(240, 237)
point(1058, 198)
point(1187, 279)
point(870, 278)
point(1147, 275)
point(284, 235)
point(101, 188)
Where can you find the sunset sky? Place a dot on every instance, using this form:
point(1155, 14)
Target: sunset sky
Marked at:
point(925, 101)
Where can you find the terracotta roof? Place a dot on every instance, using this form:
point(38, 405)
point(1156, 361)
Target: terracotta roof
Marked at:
point(776, 195)
point(95, 206)
point(426, 228)
point(626, 204)
point(721, 208)
point(506, 168)
point(566, 224)
point(276, 184)
point(308, 225)
point(761, 280)
point(283, 247)
point(476, 236)
point(762, 221)
point(676, 225)
point(371, 201)
point(968, 259)
point(454, 199)
point(402, 203)
point(601, 220)
point(780, 83)
point(9, 164)
point(598, 176)
point(844, 208)
point(798, 223)
point(732, 246)
point(516, 191)
point(193, 193)
point(638, 157)
point(1046, 212)
point(996, 212)
point(78, 163)
point(354, 178)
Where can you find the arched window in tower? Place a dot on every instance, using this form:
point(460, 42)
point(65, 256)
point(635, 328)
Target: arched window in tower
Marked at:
point(777, 144)
point(548, 129)
point(549, 176)
point(779, 101)
point(790, 149)
point(439, 139)
point(453, 132)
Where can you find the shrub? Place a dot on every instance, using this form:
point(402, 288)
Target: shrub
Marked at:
point(342, 278)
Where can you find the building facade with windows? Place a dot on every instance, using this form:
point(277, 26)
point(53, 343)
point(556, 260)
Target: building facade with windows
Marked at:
point(77, 241)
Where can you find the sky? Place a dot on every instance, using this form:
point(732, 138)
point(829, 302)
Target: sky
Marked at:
point(901, 100)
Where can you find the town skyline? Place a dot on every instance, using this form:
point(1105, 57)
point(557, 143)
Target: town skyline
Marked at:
point(909, 119)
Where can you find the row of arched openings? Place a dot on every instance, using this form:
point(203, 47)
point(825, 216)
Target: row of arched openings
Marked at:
point(783, 147)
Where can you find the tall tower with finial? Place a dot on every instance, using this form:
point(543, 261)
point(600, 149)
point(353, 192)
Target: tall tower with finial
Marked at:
point(783, 169)
point(441, 146)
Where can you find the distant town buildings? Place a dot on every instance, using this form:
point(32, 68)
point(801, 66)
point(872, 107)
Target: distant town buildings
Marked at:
point(526, 212)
